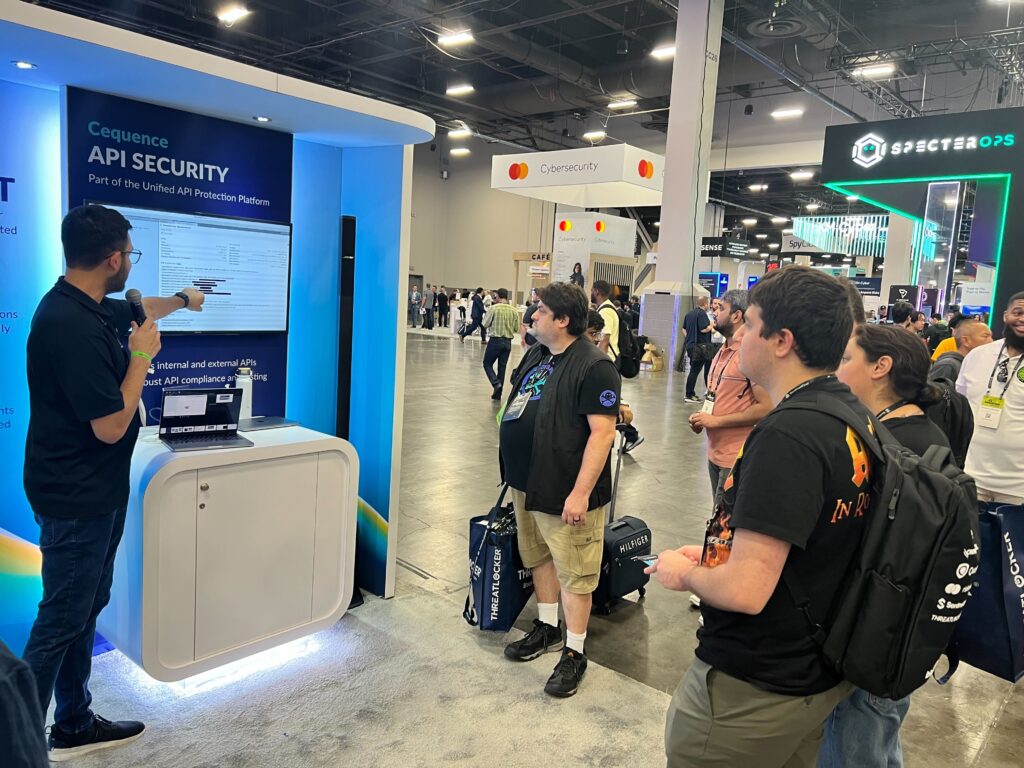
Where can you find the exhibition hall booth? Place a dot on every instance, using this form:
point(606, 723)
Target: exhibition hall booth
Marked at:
point(287, 204)
point(956, 179)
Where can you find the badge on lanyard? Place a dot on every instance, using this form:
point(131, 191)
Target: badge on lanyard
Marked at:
point(991, 411)
point(516, 407)
point(709, 404)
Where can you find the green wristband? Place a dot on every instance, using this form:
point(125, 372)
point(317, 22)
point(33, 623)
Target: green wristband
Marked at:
point(140, 353)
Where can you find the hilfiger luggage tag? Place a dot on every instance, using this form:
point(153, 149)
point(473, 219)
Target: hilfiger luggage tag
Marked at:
point(709, 404)
point(991, 411)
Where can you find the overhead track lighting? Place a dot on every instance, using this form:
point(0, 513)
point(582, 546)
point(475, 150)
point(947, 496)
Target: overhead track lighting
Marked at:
point(761, 236)
point(454, 39)
point(773, 246)
point(801, 175)
point(459, 152)
point(459, 90)
point(594, 136)
point(459, 133)
point(779, 219)
point(875, 71)
point(623, 104)
point(852, 198)
point(758, 187)
point(785, 114)
point(229, 14)
point(749, 222)
point(812, 206)
point(663, 52)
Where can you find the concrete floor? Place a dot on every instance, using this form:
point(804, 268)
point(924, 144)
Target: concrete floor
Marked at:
point(449, 473)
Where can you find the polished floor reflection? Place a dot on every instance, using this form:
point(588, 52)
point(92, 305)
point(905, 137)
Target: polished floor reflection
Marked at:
point(449, 473)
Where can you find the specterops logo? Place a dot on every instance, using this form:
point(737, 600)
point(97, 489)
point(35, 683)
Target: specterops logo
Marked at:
point(871, 149)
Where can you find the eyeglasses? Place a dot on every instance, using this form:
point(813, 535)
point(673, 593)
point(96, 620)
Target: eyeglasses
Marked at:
point(133, 255)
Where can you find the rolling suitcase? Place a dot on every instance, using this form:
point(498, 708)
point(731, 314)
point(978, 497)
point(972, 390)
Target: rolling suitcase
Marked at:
point(623, 540)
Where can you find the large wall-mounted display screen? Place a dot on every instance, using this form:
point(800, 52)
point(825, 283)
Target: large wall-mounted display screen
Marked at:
point(241, 265)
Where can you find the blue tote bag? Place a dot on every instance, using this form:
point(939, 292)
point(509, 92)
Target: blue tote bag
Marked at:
point(990, 633)
point(499, 585)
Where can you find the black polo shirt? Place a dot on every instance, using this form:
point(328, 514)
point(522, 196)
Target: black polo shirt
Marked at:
point(77, 360)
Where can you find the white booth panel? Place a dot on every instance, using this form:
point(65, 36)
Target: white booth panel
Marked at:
point(175, 550)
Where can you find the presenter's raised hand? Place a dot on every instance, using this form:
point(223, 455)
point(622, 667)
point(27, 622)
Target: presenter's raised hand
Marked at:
point(195, 299)
point(145, 338)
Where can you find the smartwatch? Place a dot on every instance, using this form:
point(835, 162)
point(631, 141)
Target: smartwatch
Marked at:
point(184, 297)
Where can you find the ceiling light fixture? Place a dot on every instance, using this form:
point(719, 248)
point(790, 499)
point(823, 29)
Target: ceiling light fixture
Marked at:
point(749, 222)
point(875, 71)
point(779, 219)
point(812, 206)
point(453, 39)
point(459, 152)
point(459, 133)
point(761, 236)
point(787, 231)
point(23, 64)
point(663, 52)
point(940, 260)
point(785, 114)
point(622, 104)
point(773, 246)
point(594, 136)
point(261, 119)
point(459, 90)
point(657, 223)
point(758, 187)
point(751, 250)
point(801, 175)
point(229, 14)
point(852, 198)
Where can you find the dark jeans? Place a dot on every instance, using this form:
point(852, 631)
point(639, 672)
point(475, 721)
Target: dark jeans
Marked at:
point(468, 330)
point(695, 369)
point(78, 569)
point(718, 475)
point(428, 319)
point(442, 317)
point(414, 312)
point(498, 350)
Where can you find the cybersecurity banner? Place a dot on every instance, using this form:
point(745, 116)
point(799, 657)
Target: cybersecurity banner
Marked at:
point(131, 153)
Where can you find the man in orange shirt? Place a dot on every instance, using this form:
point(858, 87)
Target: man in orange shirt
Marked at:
point(733, 404)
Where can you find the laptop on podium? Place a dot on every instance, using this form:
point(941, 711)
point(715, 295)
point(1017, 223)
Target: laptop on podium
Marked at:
point(201, 419)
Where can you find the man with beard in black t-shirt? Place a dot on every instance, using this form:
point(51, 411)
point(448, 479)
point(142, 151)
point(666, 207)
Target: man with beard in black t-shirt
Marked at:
point(759, 691)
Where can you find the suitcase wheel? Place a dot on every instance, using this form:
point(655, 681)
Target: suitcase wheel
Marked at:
point(643, 592)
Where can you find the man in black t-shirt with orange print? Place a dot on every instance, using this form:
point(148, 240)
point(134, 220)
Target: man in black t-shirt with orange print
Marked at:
point(759, 690)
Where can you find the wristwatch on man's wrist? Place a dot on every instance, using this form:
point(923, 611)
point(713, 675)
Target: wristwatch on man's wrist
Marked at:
point(184, 297)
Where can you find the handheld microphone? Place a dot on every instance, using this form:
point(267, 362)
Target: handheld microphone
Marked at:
point(134, 299)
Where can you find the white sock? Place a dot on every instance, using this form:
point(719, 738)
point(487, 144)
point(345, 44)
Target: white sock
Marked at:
point(548, 613)
point(575, 642)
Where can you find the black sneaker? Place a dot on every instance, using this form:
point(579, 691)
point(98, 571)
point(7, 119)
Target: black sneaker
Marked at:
point(542, 638)
point(100, 735)
point(631, 445)
point(565, 680)
point(496, 393)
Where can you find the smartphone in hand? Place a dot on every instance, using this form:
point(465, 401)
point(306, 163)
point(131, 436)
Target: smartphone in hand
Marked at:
point(647, 560)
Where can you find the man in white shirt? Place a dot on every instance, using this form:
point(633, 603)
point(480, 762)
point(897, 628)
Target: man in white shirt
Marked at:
point(992, 379)
point(600, 294)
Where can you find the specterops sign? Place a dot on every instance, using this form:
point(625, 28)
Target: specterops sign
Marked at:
point(872, 148)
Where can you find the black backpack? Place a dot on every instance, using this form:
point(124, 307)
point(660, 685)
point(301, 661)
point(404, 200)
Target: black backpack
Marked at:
point(953, 416)
point(909, 583)
point(630, 353)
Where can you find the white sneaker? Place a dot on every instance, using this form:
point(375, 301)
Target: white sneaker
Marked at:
point(694, 601)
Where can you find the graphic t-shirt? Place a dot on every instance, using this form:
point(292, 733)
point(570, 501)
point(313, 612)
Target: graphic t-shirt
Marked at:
point(599, 394)
point(804, 478)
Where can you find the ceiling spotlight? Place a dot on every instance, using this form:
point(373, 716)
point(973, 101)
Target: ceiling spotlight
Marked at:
point(23, 64)
point(779, 219)
point(459, 152)
point(459, 90)
point(801, 175)
point(261, 118)
point(785, 114)
point(773, 246)
point(761, 236)
point(852, 198)
point(963, 250)
point(657, 223)
point(727, 229)
point(812, 206)
point(787, 231)
point(749, 222)
point(763, 254)
point(751, 250)
point(229, 14)
point(455, 38)
point(881, 266)
point(758, 187)
point(459, 133)
point(594, 136)
point(940, 260)
point(875, 71)
point(663, 52)
point(623, 104)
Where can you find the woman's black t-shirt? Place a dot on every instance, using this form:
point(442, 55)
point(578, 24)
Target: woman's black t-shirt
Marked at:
point(918, 433)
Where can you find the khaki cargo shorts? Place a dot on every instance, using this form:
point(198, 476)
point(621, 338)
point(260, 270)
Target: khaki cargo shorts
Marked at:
point(576, 549)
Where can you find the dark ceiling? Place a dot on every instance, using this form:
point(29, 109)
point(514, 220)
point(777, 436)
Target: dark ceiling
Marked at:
point(544, 71)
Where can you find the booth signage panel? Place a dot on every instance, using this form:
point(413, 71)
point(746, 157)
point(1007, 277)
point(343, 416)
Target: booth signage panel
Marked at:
point(909, 293)
point(579, 235)
point(976, 294)
point(570, 167)
point(715, 283)
point(965, 144)
point(868, 286)
point(727, 247)
point(128, 152)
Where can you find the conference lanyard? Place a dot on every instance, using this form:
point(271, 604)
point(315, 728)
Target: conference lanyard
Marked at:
point(894, 407)
point(721, 373)
point(1005, 378)
point(815, 380)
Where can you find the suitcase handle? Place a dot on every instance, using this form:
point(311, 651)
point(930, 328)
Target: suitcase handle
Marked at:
point(617, 525)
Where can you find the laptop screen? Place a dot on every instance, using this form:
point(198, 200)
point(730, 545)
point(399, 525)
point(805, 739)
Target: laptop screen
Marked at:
point(189, 412)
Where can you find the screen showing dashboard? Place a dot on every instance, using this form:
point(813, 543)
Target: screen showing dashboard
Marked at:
point(241, 266)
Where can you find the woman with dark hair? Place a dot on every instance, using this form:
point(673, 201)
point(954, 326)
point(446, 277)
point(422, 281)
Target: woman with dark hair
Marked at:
point(576, 278)
point(887, 369)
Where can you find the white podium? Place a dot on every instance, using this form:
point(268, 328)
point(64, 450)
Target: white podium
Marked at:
point(229, 552)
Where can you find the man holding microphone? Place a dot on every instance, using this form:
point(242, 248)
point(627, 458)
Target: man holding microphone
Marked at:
point(85, 377)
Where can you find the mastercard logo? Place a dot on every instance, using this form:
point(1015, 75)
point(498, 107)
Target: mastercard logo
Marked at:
point(645, 169)
point(518, 171)
point(599, 226)
point(565, 225)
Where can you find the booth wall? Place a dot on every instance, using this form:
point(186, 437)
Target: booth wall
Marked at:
point(313, 314)
point(30, 261)
point(463, 232)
